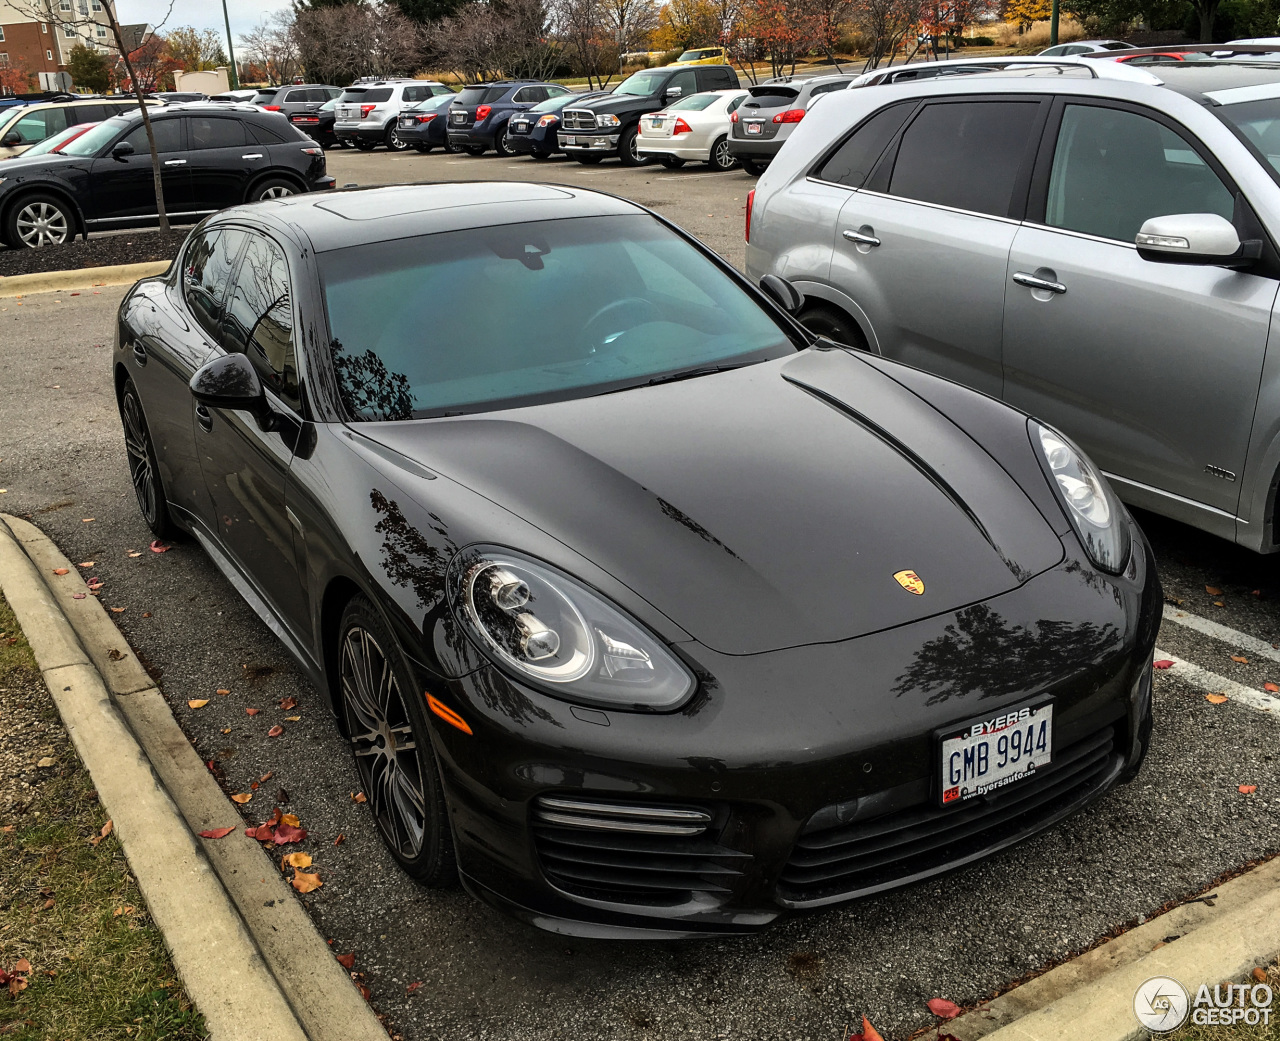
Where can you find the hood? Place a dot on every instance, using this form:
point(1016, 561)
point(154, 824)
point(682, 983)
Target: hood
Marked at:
point(20, 164)
point(617, 103)
point(760, 508)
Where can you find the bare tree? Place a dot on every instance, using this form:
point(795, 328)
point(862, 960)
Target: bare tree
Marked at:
point(886, 23)
point(496, 38)
point(582, 26)
point(273, 45)
point(630, 23)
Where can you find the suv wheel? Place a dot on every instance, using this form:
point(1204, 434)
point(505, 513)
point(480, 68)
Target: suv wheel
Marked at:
point(451, 146)
point(502, 142)
point(366, 146)
point(39, 220)
point(629, 148)
point(721, 158)
point(394, 141)
point(833, 324)
point(275, 188)
point(751, 166)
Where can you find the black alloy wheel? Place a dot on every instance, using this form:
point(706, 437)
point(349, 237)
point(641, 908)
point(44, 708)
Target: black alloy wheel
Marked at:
point(390, 739)
point(629, 148)
point(721, 158)
point(502, 142)
point(143, 471)
point(752, 167)
point(671, 162)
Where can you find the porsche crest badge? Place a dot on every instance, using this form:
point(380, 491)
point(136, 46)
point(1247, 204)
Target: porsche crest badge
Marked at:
point(910, 581)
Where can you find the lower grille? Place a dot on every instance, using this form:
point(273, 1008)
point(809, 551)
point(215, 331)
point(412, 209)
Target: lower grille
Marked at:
point(578, 119)
point(853, 859)
point(635, 854)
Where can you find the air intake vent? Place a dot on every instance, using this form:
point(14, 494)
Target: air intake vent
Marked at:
point(633, 854)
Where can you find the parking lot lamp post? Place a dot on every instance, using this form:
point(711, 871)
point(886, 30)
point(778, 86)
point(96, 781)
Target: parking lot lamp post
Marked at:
point(231, 50)
point(1053, 23)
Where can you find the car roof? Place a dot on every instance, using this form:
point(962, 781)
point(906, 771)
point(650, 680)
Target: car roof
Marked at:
point(1200, 78)
point(335, 220)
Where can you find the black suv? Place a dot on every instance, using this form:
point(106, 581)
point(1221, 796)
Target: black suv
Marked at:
point(211, 156)
point(609, 125)
point(479, 114)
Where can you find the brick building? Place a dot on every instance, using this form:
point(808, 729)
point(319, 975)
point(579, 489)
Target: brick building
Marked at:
point(38, 34)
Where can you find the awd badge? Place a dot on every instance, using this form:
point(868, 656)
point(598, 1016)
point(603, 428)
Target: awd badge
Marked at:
point(910, 581)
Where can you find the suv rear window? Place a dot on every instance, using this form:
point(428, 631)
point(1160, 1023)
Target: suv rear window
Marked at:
point(480, 95)
point(265, 97)
point(367, 94)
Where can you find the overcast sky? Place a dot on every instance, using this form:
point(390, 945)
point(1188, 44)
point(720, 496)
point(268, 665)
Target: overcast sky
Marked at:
point(203, 14)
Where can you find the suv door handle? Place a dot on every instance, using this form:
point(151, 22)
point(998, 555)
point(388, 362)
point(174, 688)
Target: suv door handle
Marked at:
point(1031, 282)
point(860, 238)
point(252, 155)
point(175, 162)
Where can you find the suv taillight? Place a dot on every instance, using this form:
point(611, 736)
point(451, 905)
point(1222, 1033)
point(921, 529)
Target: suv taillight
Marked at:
point(791, 115)
point(482, 112)
point(681, 127)
point(271, 108)
point(365, 110)
point(751, 201)
point(733, 117)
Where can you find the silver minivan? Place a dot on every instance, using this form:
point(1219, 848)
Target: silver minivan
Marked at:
point(1095, 246)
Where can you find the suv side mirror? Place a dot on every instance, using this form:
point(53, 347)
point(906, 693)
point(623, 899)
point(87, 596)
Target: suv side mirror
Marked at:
point(1195, 238)
point(783, 293)
point(10, 139)
point(121, 150)
point(232, 382)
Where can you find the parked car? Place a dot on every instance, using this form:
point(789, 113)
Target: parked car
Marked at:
point(767, 117)
point(1114, 274)
point(175, 97)
point(609, 125)
point(318, 124)
point(244, 95)
point(572, 666)
point(703, 56)
point(425, 125)
point(56, 141)
point(367, 113)
point(26, 125)
point(297, 98)
point(535, 132)
point(211, 157)
point(695, 129)
point(1065, 50)
point(480, 113)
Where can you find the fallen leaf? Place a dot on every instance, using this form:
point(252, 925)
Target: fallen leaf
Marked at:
point(1163, 663)
point(117, 610)
point(340, 839)
point(1215, 699)
point(288, 703)
point(46, 763)
point(365, 992)
point(78, 596)
point(241, 798)
point(1247, 789)
point(158, 547)
point(216, 833)
point(253, 785)
point(292, 719)
point(346, 960)
point(942, 1008)
point(275, 817)
point(290, 819)
point(48, 904)
point(94, 584)
point(134, 553)
point(87, 563)
point(115, 654)
point(295, 860)
point(1240, 658)
point(288, 833)
point(305, 883)
point(61, 570)
point(198, 703)
point(1219, 603)
point(263, 833)
point(1259, 974)
point(359, 797)
point(275, 731)
point(107, 829)
point(252, 711)
point(868, 1032)
point(1257, 592)
point(226, 730)
point(1271, 688)
point(282, 795)
point(146, 614)
point(413, 988)
point(86, 520)
point(22, 966)
point(1213, 590)
point(266, 777)
point(223, 690)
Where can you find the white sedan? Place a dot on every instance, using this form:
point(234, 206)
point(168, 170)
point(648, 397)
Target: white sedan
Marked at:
point(696, 127)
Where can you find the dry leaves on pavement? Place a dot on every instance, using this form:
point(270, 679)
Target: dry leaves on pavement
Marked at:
point(867, 1033)
point(942, 1008)
point(216, 833)
point(1215, 699)
point(1247, 789)
point(1163, 663)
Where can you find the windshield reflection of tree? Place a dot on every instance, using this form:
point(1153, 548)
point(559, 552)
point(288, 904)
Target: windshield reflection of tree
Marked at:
point(369, 389)
point(981, 652)
point(414, 560)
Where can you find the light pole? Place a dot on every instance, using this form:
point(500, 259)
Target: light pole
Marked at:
point(1053, 23)
point(231, 48)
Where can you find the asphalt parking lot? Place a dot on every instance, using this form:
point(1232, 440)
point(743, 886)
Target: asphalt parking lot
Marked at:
point(1180, 826)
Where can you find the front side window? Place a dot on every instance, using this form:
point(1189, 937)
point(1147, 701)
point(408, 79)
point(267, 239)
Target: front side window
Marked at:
point(1113, 170)
point(168, 135)
point(685, 82)
point(259, 318)
point(852, 162)
point(206, 272)
point(36, 126)
point(211, 132)
point(680, 312)
point(966, 154)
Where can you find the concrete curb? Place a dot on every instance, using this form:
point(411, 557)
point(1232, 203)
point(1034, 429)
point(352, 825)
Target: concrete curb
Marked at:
point(316, 988)
point(80, 278)
point(1090, 998)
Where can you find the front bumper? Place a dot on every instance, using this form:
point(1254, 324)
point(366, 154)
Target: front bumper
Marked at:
point(765, 148)
point(586, 142)
point(814, 769)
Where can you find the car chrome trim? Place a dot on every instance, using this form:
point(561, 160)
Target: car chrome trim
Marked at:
point(1151, 490)
point(922, 202)
point(1080, 235)
point(1032, 282)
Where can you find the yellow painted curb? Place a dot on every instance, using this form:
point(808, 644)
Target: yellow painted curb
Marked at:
point(80, 278)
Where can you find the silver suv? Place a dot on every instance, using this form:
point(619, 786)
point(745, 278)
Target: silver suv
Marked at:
point(770, 112)
point(367, 112)
point(1094, 244)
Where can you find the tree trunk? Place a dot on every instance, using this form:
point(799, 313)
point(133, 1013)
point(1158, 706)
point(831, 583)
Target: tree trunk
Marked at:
point(146, 118)
point(1206, 11)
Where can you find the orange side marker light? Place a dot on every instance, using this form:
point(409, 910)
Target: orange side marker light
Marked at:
point(447, 714)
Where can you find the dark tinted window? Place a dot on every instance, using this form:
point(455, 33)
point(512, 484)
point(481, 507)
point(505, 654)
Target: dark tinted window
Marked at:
point(90, 114)
point(854, 159)
point(416, 93)
point(206, 270)
point(259, 319)
point(211, 132)
point(367, 94)
point(823, 88)
point(1114, 170)
point(965, 155)
point(168, 133)
point(262, 135)
point(686, 82)
point(265, 97)
point(480, 95)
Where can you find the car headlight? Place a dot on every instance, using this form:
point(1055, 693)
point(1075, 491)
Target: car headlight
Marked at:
point(547, 121)
point(607, 120)
point(1099, 518)
point(546, 627)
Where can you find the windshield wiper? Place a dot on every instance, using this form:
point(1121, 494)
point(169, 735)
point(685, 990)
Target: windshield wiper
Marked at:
point(686, 374)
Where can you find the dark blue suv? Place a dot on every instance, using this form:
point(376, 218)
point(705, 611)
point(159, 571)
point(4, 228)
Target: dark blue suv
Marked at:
point(479, 114)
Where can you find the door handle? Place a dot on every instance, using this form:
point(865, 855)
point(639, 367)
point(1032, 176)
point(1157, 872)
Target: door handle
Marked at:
point(139, 354)
point(204, 417)
point(175, 162)
point(1031, 282)
point(252, 155)
point(861, 238)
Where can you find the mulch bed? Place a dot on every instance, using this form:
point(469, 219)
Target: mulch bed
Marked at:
point(131, 248)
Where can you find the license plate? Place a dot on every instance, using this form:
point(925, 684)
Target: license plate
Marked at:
point(987, 754)
point(458, 117)
point(569, 140)
point(754, 128)
point(656, 122)
point(407, 122)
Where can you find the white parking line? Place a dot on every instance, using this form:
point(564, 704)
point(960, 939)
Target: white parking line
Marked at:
point(1242, 641)
point(1212, 683)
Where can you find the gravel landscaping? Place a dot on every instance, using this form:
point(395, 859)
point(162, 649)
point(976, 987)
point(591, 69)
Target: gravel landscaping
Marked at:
point(130, 248)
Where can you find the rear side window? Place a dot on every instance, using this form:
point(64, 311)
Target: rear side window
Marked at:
point(206, 271)
point(852, 162)
point(208, 132)
point(262, 135)
point(965, 154)
point(412, 94)
point(823, 88)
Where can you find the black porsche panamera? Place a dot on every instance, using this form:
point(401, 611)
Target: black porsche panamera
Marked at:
point(661, 624)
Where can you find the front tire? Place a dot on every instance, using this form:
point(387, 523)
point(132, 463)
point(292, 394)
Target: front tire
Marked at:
point(827, 321)
point(452, 147)
point(502, 143)
point(721, 158)
point(39, 220)
point(389, 736)
point(629, 148)
point(143, 471)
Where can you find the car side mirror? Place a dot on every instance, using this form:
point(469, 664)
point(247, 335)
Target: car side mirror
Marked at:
point(672, 92)
point(10, 139)
point(783, 293)
point(232, 382)
point(122, 150)
point(1195, 238)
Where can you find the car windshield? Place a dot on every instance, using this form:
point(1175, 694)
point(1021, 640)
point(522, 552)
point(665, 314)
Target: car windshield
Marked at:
point(555, 104)
point(398, 355)
point(697, 102)
point(329, 105)
point(92, 141)
point(52, 144)
point(1258, 122)
point(642, 84)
